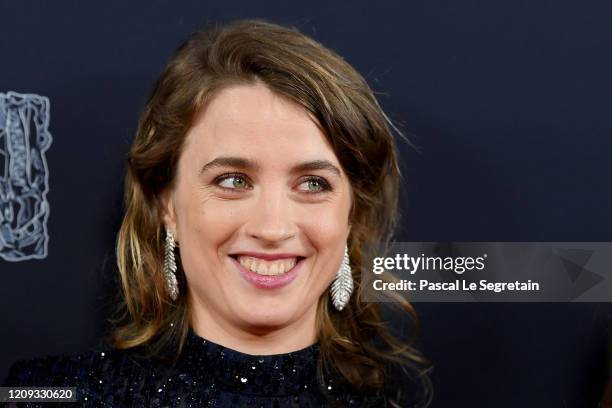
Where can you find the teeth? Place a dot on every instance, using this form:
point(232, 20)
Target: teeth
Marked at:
point(264, 267)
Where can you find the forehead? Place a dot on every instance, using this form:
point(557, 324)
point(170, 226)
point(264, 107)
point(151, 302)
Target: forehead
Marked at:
point(253, 119)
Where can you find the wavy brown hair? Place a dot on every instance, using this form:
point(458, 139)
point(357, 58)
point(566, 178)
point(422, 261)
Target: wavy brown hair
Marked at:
point(354, 343)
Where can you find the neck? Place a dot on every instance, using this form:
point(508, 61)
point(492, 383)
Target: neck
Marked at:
point(255, 340)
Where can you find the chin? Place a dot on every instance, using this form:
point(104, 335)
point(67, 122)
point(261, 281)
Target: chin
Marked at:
point(261, 317)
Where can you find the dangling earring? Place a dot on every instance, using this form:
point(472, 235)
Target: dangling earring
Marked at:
point(170, 266)
point(342, 287)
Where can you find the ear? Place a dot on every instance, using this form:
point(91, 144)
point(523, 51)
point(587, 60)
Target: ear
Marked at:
point(167, 211)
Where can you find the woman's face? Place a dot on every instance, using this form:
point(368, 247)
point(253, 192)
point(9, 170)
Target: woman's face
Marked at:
point(257, 190)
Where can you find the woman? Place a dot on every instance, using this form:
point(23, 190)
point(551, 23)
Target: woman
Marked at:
point(262, 171)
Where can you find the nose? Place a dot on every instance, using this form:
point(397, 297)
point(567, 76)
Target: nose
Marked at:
point(271, 219)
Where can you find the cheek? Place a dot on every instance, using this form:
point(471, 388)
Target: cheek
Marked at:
point(326, 224)
point(324, 229)
point(205, 225)
point(326, 232)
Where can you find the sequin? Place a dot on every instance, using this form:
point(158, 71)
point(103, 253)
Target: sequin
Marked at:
point(206, 374)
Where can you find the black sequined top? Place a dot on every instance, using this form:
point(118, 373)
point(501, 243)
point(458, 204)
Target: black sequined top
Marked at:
point(206, 375)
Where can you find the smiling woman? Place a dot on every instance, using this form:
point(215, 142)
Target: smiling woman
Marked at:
point(262, 171)
point(258, 201)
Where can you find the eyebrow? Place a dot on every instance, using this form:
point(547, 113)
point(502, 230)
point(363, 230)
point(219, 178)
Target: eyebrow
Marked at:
point(246, 164)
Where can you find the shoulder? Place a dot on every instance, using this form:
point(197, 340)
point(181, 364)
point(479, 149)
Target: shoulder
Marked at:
point(62, 369)
point(98, 371)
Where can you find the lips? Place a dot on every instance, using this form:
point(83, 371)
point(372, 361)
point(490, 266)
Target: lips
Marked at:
point(266, 256)
point(268, 273)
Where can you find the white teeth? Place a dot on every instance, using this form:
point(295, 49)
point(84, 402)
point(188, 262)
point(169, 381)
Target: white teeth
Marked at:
point(264, 267)
point(274, 269)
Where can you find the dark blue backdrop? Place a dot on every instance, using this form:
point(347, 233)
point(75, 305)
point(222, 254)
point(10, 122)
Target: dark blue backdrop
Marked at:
point(509, 102)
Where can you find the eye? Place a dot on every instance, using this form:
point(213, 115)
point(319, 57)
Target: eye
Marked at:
point(315, 185)
point(232, 182)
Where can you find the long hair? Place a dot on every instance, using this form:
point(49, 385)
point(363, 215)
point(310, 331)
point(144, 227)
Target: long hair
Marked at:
point(354, 343)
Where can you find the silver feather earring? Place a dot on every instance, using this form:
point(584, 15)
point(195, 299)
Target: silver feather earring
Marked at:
point(342, 287)
point(170, 265)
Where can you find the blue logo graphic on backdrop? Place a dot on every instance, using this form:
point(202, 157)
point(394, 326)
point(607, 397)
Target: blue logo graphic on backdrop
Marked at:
point(24, 176)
